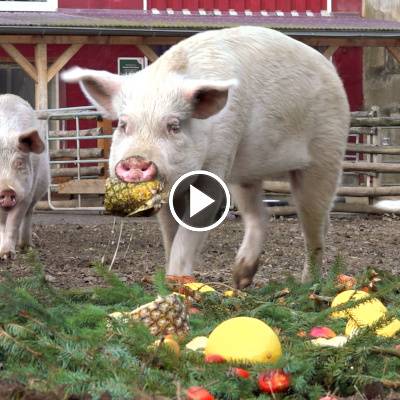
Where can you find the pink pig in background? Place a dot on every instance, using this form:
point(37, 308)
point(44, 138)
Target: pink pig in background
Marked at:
point(24, 172)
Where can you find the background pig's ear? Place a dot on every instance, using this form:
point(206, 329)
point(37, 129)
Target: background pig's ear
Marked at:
point(100, 87)
point(31, 142)
point(208, 97)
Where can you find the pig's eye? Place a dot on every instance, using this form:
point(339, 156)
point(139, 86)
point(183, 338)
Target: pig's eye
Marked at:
point(19, 163)
point(122, 124)
point(174, 126)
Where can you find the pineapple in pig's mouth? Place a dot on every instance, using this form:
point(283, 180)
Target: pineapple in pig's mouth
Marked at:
point(134, 199)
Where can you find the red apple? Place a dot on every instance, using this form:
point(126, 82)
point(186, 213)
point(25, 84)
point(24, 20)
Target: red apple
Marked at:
point(214, 358)
point(198, 393)
point(276, 380)
point(322, 332)
point(240, 373)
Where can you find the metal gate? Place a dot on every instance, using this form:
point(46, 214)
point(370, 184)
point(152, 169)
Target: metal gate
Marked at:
point(79, 142)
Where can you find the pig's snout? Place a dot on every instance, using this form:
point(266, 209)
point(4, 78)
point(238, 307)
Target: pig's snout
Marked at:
point(136, 169)
point(8, 199)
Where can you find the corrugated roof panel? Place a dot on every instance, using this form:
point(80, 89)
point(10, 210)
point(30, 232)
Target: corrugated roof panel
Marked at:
point(114, 19)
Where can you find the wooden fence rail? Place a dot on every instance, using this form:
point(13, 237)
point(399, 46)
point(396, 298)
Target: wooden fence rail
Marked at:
point(73, 153)
point(368, 165)
point(73, 172)
point(350, 191)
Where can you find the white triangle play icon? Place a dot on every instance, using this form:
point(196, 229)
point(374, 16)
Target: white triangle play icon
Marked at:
point(198, 201)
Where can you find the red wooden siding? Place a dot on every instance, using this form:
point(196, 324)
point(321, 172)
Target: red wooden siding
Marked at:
point(115, 4)
point(348, 61)
point(239, 5)
point(347, 5)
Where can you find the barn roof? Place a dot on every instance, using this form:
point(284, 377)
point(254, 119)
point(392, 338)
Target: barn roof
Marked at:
point(168, 22)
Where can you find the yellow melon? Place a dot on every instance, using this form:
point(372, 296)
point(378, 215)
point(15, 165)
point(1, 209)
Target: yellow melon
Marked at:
point(245, 339)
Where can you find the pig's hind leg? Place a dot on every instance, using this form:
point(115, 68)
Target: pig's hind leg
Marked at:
point(314, 190)
point(248, 198)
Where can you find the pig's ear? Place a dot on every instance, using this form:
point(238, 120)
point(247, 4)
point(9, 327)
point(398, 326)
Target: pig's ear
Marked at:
point(208, 97)
point(30, 142)
point(100, 87)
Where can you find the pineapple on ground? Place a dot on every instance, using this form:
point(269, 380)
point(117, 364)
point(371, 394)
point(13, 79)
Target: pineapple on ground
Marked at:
point(164, 316)
point(126, 199)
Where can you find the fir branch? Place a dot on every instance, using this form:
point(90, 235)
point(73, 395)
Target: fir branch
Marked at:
point(7, 337)
point(385, 351)
point(390, 384)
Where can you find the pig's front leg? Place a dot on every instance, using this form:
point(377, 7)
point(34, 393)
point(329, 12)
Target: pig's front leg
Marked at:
point(3, 218)
point(25, 231)
point(187, 244)
point(184, 251)
point(169, 228)
point(10, 236)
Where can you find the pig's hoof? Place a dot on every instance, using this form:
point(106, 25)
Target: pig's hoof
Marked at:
point(25, 248)
point(7, 255)
point(243, 273)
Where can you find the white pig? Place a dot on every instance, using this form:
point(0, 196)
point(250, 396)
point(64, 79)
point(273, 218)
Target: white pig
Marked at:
point(24, 172)
point(244, 103)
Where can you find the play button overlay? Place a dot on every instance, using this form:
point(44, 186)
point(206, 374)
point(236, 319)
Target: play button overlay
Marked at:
point(199, 200)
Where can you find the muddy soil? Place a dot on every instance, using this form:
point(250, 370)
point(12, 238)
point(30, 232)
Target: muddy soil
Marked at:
point(68, 245)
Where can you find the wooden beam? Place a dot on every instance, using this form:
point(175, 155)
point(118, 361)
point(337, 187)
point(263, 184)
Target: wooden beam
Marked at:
point(73, 172)
point(349, 42)
point(395, 52)
point(350, 191)
point(323, 41)
point(20, 59)
point(41, 94)
point(148, 52)
point(362, 166)
point(339, 207)
point(84, 186)
point(79, 39)
point(62, 60)
point(330, 51)
point(373, 149)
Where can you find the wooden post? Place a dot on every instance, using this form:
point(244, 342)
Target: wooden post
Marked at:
point(105, 144)
point(375, 158)
point(330, 51)
point(41, 93)
point(15, 54)
point(62, 60)
point(148, 52)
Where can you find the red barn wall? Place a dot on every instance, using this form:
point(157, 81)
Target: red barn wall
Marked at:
point(239, 5)
point(348, 60)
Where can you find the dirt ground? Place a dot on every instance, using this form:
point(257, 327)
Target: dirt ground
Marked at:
point(68, 244)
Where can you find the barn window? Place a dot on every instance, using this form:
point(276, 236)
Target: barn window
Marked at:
point(14, 80)
point(28, 5)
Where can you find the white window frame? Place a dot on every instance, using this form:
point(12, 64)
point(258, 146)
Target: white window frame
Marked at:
point(48, 5)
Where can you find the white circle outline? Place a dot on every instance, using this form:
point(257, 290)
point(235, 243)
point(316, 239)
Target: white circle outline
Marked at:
point(221, 218)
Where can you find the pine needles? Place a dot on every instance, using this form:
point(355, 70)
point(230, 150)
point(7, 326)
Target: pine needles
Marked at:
point(63, 341)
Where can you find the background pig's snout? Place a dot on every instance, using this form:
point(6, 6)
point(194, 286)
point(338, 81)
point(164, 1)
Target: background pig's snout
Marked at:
point(136, 169)
point(8, 199)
